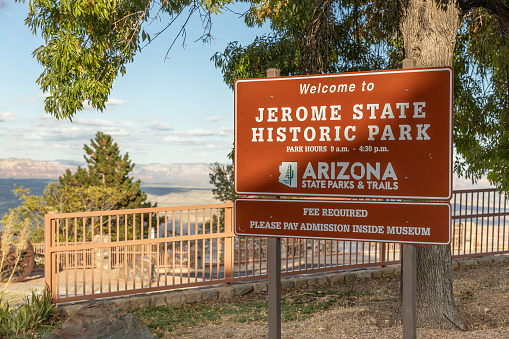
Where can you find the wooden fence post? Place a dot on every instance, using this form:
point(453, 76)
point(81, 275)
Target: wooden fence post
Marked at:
point(48, 252)
point(228, 245)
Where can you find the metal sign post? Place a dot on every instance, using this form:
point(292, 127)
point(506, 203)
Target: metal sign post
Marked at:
point(274, 273)
point(409, 308)
point(409, 271)
point(274, 269)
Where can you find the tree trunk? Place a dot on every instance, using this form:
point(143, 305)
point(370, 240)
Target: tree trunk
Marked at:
point(429, 30)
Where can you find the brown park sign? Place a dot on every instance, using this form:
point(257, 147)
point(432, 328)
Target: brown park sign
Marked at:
point(384, 134)
point(402, 222)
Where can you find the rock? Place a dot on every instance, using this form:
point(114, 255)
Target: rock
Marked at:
point(499, 258)
point(365, 274)
point(387, 270)
point(350, 276)
point(286, 284)
point(134, 270)
point(311, 281)
point(139, 302)
point(322, 280)
point(466, 262)
point(484, 260)
point(101, 319)
point(193, 296)
point(260, 287)
point(336, 278)
point(176, 298)
point(241, 289)
point(300, 282)
point(225, 292)
point(209, 294)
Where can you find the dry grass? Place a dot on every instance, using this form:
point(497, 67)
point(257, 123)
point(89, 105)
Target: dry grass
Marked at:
point(481, 293)
point(11, 240)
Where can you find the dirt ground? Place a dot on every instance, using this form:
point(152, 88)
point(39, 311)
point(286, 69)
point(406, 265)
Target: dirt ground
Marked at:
point(481, 294)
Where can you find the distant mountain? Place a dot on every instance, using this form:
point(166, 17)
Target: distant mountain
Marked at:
point(168, 185)
point(184, 175)
point(32, 169)
point(194, 175)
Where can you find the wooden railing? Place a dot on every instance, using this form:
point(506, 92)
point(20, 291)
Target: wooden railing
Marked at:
point(103, 254)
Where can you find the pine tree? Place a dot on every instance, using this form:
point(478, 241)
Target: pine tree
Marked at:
point(108, 168)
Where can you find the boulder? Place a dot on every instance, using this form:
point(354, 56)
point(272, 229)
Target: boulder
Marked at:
point(101, 319)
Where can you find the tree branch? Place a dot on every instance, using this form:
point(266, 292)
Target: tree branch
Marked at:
point(495, 7)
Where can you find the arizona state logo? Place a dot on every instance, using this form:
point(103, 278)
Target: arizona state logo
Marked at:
point(288, 173)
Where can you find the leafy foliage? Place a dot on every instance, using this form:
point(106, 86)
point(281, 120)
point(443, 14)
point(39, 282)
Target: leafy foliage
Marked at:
point(35, 311)
point(312, 36)
point(481, 129)
point(89, 43)
point(221, 176)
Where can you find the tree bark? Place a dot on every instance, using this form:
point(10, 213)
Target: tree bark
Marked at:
point(429, 30)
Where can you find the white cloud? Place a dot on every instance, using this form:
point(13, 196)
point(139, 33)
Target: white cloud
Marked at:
point(110, 102)
point(116, 102)
point(211, 146)
point(87, 125)
point(55, 133)
point(102, 123)
point(7, 117)
point(94, 122)
point(87, 105)
point(29, 99)
point(161, 126)
point(114, 131)
point(24, 146)
point(464, 183)
point(35, 98)
point(226, 131)
point(214, 118)
point(200, 132)
point(181, 140)
point(52, 129)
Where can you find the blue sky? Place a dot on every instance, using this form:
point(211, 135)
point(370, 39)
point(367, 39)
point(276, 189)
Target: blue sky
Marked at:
point(177, 110)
